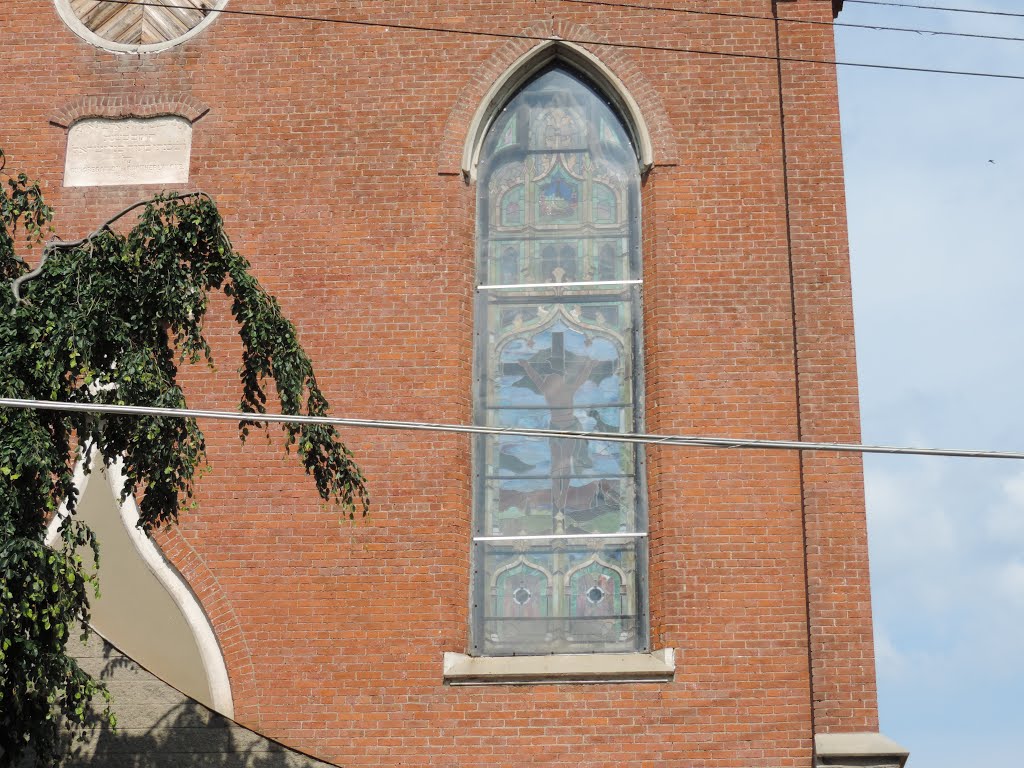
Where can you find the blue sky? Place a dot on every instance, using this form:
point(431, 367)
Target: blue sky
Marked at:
point(935, 188)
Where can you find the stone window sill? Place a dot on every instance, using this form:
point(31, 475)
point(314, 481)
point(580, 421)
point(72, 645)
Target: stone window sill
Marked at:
point(659, 666)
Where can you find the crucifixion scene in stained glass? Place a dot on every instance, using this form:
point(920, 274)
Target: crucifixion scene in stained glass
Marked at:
point(559, 521)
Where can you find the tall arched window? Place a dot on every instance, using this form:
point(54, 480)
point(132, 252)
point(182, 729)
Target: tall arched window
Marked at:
point(559, 541)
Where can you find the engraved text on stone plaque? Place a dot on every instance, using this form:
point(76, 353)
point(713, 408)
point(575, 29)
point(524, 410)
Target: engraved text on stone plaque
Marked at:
point(104, 152)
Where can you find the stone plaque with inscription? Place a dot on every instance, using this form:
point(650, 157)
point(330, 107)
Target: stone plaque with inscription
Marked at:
point(104, 152)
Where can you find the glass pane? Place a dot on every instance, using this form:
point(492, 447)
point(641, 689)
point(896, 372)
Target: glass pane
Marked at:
point(558, 596)
point(558, 211)
point(564, 366)
point(541, 503)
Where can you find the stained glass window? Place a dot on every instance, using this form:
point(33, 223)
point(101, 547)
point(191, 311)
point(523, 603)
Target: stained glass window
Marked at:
point(559, 541)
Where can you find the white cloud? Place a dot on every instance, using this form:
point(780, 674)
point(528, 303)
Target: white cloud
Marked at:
point(908, 520)
point(1010, 581)
point(890, 662)
point(935, 237)
point(1005, 520)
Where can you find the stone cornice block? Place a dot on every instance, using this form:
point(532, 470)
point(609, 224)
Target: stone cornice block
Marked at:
point(858, 750)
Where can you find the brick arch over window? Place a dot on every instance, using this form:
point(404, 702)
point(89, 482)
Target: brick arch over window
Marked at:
point(219, 609)
point(127, 106)
point(613, 71)
point(571, 56)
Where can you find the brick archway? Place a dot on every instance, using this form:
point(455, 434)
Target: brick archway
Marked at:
point(555, 39)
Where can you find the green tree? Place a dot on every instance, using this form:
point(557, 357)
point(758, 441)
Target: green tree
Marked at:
point(108, 320)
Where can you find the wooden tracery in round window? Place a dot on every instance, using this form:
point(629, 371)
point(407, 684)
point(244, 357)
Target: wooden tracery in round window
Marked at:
point(137, 26)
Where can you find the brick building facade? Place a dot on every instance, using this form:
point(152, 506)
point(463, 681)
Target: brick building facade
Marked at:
point(345, 158)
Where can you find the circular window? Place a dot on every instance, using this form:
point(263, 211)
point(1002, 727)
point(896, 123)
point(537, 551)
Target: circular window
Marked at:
point(128, 27)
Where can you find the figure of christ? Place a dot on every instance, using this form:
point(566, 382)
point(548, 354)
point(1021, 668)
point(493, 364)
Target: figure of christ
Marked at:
point(558, 390)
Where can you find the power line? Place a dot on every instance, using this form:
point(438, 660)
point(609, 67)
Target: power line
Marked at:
point(938, 8)
point(814, 22)
point(673, 441)
point(599, 43)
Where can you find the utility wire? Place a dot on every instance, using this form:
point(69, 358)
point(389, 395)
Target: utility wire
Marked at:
point(938, 8)
point(599, 43)
point(814, 22)
point(675, 441)
point(633, 438)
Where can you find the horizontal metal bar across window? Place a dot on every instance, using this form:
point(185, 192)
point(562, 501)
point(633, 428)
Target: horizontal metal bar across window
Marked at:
point(583, 284)
point(562, 619)
point(577, 476)
point(546, 407)
point(550, 536)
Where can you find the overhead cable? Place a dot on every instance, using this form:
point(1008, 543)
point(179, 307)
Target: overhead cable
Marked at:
point(783, 20)
point(938, 8)
point(674, 441)
point(577, 41)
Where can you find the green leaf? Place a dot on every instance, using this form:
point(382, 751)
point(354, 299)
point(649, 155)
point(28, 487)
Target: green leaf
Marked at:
point(124, 309)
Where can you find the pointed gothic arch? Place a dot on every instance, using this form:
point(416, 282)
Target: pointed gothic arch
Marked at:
point(535, 60)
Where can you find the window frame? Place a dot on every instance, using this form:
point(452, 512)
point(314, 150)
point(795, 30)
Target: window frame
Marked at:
point(76, 25)
point(631, 294)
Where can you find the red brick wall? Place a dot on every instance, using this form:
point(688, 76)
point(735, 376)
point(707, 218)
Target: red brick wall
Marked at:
point(839, 600)
point(334, 152)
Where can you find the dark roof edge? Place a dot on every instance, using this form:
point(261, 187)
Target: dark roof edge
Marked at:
point(837, 6)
